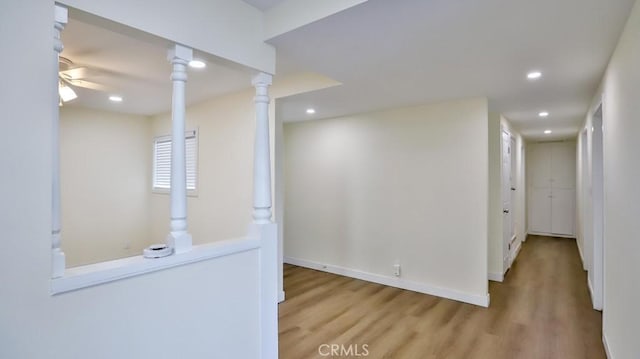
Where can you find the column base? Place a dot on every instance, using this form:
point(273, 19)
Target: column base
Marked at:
point(180, 242)
point(58, 264)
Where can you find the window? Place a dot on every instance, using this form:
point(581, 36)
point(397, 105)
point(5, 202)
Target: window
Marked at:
point(162, 162)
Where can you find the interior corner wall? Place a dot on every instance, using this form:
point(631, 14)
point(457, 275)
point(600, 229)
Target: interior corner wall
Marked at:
point(495, 264)
point(621, 110)
point(105, 165)
point(406, 186)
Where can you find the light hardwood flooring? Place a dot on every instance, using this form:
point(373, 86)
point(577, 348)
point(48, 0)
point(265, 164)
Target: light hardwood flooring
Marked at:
point(542, 310)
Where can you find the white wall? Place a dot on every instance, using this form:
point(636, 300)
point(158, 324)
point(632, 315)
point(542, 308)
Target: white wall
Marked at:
point(105, 173)
point(621, 109)
point(406, 186)
point(219, 312)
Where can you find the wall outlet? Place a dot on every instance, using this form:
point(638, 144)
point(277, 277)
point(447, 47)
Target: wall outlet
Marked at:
point(396, 270)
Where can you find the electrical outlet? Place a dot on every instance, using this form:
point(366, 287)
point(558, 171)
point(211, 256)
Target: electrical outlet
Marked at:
point(396, 270)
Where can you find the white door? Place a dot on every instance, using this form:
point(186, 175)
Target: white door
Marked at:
point(563, 182)
point(515, 242)
point(539, 171)
point(551, 171)
point(506, 200)
point(562, 211)
point(540, 210)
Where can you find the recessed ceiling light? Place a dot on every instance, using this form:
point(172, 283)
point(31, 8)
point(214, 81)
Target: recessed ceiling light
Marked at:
point(115, 98)
point(197, 64)
point(544, 114)
point(534, 75)
point(311, 111)
point(546, 132)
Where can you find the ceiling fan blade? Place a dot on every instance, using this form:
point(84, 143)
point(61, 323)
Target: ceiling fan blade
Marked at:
point(76, 73)
point(88, 84)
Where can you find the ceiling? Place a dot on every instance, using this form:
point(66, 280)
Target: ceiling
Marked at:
point(388, 54)
point(405, 52)
point(263, 4)
point(138, 70)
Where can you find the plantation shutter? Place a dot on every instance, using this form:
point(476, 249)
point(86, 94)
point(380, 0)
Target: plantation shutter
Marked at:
point(162, 161)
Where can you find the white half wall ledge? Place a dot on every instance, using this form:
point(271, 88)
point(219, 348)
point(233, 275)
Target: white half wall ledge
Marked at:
point(100, 273)
point(479, 300)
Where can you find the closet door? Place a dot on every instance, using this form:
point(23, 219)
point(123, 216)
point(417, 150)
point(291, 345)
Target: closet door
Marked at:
point(551, 172)
point(563, 211)
point(539, 173)
point(540, 210)
point(563, 182)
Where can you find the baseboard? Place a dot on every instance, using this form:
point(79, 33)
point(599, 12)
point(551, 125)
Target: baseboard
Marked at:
point(590, 288)
point(516, 252)
point(606, 346)
point(281, 296)
point(572, 236)
point(584, 264)
point(479, 300)
point(496, 277)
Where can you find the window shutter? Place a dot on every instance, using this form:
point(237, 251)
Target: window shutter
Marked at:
point(191, 151)
point(162, 161)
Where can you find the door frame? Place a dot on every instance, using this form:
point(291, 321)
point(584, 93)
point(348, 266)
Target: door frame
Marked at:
point(597, 205)
point(507, 200)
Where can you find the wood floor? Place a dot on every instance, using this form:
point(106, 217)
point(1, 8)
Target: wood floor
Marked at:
point(542, 310)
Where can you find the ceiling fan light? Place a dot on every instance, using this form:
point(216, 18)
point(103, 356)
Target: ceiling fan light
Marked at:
point(66, 93)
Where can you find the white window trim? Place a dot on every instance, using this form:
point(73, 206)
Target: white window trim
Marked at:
point(159, 190)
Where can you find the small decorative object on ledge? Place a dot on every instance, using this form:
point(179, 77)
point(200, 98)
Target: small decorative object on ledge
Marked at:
point(157, 251)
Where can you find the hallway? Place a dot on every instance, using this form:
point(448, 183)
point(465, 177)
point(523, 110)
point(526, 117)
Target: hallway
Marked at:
point(542, 310)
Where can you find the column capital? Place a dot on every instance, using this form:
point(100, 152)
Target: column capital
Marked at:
point(61, 18)
point(61, 15)
point(180, 53)
point(262, 79)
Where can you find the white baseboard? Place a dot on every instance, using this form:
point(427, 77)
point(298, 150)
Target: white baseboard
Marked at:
point(496, 277)
point(606, 346)
point(479, 300)
point(281, 296)
point(516, 252)
point(590, 288)
point(584, 264)
point(573, 236)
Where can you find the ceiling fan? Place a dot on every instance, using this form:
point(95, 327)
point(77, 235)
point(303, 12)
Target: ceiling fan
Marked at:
point(70, 76)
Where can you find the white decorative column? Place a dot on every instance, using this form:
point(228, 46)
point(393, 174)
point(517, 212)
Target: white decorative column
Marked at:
point(262, 157)
point(57, 256)
point(262, 226)
point(179, 239)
